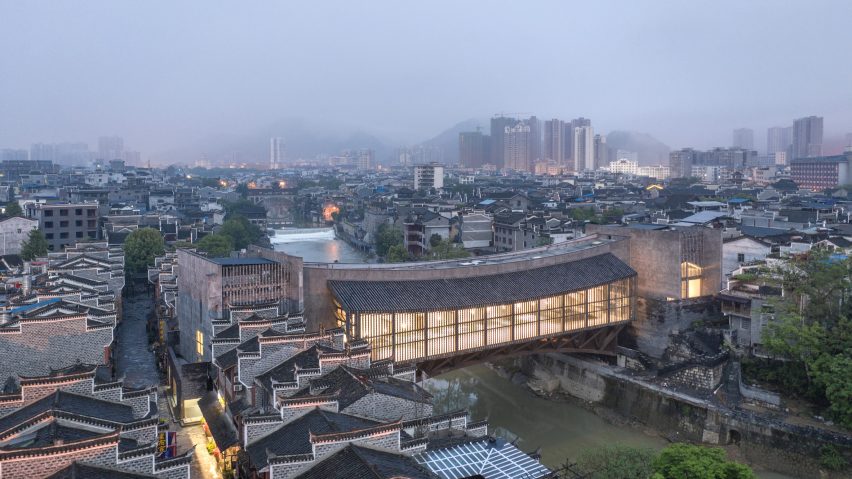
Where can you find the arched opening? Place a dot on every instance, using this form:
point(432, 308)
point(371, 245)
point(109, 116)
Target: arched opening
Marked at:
point(734, 437)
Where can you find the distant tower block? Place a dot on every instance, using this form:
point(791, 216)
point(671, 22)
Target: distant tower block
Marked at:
point(277, 152)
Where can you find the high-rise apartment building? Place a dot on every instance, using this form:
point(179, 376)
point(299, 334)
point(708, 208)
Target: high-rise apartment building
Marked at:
point(474, 149)
point(365, 159)
point(110, 148)
point(429, 176)
point(744, 138)
point(779, 139)
point(807, 137)
point(516, 147)
point(554, 141)
point(8, 154)
point(277, 152)
point(601, 152)
point(498, 131)
point(681, 161)
point(77, 154)
point(584, 148)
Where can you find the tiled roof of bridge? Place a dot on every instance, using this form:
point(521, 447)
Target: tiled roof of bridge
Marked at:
point(422, 295)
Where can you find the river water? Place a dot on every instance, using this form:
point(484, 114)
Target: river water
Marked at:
point(560, 429)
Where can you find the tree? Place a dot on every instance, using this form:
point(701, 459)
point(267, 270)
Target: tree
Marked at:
point(34, 246)
point(544, 241)
point(140, 249)
point(435, 240)
point(216, 245)
point(679, 461)
point(242, 189)
point(387, 237)
point(14, 209)
point(812, 329)
point(241, 231)
point(445, 249)
point(616, 462)
point(397, 254)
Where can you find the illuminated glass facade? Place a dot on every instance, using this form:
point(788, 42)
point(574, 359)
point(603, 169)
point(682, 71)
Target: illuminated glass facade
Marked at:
point(415, 335)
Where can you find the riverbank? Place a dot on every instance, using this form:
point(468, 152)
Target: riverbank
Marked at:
point(622, 400)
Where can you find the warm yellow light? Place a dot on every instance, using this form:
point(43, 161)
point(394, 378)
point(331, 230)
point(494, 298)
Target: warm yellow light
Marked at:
point(329, 210)
point(282, 184)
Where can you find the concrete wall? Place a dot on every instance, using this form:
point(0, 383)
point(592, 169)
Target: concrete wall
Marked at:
point(762, 440)
point(199, 293)
point(318, 300)
point(656, 256)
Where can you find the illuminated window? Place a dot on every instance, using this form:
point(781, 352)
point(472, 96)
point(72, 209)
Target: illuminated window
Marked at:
point(690, 282)
point(199, 342)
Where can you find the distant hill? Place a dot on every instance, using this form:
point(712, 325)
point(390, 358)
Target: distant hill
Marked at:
point(651, 150)
point(304, 139)
point(448, 140)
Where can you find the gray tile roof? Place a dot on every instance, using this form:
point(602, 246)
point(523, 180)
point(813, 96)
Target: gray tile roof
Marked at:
point(361, 462)
point(454, 293)
point(294, 437)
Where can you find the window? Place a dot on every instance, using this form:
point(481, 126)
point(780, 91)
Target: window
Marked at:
point(78, 212)
point(90, 213)
point(78, 223)
point(48, 224)
point(63, 224)
point(48, 212)
point(740, 257)
point(63, 235)
point(78, 234)
point(48, 236)
point(90, 223)
point(199, 342)
point(63, 212)
point(690, 283)
point(92, 234)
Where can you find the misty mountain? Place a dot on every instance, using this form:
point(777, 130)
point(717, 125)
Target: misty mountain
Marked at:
point(651, 150)
point(448, 140)
point(304, 139)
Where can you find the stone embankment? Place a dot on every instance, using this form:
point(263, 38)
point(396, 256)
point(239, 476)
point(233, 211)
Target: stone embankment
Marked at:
point(765, 440)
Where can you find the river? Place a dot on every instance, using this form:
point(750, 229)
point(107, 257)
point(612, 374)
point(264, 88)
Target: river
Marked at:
point(316, 245)
point(562, 430)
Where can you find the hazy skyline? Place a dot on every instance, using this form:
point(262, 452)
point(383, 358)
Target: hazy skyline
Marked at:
point(172, 75)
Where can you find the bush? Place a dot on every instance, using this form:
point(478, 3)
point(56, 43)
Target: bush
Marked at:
point(831, 459)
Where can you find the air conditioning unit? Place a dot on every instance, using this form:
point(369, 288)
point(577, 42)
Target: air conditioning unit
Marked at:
point(238, 388)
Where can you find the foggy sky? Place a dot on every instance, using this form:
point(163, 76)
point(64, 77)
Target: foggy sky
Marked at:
point(170, 74)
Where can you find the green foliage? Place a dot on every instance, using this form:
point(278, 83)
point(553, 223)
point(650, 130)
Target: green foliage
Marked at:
point(34, 246)
point(14, 209)
point(445, 249)
point(397, 254)
point(616, 462)
point(679, 461)
point(583, 214)
point(434, 240)
point(242, 189)
point(813, 330)
point(613, 214)
point(387, 237)
point(140, 249)
point(831, 459)
point(216, 245)
point(182, 244)
point(241, 231)
point(543, 241)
